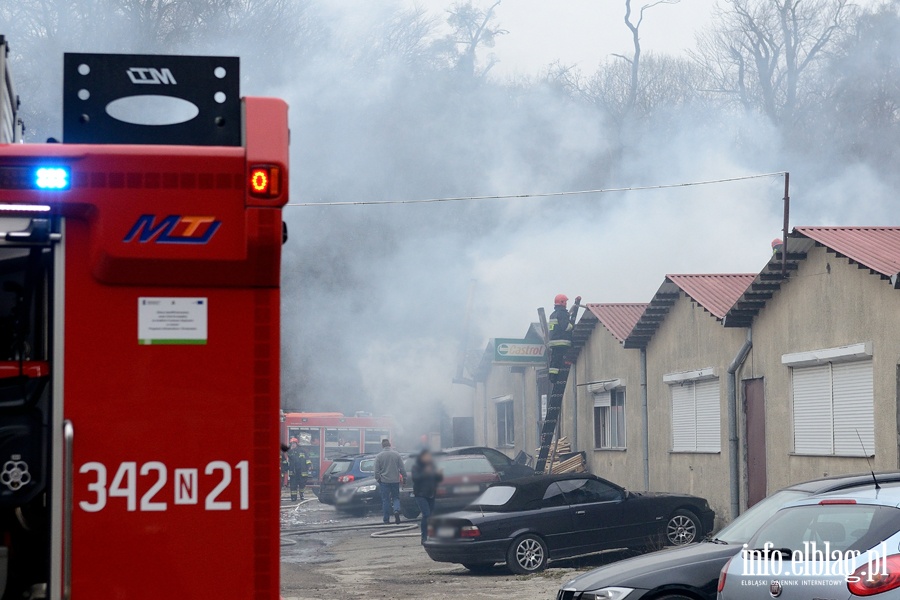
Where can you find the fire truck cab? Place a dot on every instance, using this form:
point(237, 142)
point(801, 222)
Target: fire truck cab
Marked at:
point(139, 336)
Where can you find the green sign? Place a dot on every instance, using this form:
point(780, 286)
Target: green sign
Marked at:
point(519, 352)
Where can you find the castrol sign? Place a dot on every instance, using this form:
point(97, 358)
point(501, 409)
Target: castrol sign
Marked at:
point(518, 352)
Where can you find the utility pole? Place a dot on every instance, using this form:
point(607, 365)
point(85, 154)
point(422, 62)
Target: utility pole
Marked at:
point(787, 213)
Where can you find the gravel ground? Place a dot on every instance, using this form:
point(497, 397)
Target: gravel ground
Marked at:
point(351, 563)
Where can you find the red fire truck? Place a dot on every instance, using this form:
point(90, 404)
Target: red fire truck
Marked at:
point(326, 436)
point(139, 337)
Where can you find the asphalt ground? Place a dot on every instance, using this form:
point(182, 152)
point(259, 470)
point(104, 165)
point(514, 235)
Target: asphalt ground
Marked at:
point(349, 562)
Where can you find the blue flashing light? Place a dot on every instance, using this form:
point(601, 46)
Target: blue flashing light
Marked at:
point(51, 178)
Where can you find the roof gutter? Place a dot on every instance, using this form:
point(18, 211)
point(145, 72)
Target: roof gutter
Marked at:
point(733, 457)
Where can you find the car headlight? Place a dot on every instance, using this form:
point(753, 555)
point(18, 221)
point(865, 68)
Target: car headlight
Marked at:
point(365, 489)
point(610, 593)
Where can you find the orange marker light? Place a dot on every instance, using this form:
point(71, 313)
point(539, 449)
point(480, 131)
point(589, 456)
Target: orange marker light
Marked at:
point(259, 181)
point(265, 181)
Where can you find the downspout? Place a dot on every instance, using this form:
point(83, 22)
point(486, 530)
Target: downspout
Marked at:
point(734, 459)
point(645, 425)
point(524, 426)
point(484, 413)
point(575, 407)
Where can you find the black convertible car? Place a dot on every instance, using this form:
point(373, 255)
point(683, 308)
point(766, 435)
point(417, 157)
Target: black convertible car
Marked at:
point(527, 522)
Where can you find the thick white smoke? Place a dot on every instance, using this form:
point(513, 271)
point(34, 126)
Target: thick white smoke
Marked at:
point(374, 297)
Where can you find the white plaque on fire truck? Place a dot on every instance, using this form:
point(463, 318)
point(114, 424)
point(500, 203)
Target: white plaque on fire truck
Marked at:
point(172, 321)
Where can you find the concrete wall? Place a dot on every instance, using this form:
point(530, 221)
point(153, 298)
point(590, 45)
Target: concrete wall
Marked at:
point(501, 383)
point(688, 339)
point(827, 303)
point(603, 358)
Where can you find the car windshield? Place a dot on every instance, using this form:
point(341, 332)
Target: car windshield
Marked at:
point(742, 529)
point(843, 527)
point(339, 466)
point(497, 495)
point(470, 465)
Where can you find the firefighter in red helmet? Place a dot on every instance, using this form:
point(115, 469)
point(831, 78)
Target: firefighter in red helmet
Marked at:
point(560, 324)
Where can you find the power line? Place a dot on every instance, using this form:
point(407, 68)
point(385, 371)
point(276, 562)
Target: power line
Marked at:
point(542, 195)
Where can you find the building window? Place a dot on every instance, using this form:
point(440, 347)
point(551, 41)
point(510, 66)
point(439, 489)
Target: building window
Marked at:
point(609, 419)
point(696, 416)
point(833, 409)
point(505, 424)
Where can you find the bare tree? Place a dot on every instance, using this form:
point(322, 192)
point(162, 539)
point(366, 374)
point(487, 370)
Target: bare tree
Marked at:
point(861, 105)
point(620, 87)
point(408, 36)
point(763, 52)
point(40, 31)
point(664, 83)
point(634, 26)
point(473, 28)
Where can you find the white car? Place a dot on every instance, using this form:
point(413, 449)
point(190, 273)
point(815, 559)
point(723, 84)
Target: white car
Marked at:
point(837, 546)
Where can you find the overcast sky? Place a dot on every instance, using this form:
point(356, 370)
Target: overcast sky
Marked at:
point(582, 32)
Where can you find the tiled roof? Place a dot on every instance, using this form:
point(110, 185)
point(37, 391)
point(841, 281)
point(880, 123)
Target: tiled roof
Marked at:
point(874, 248)
point(877, 248)
point(619, 319)
point(716, 293)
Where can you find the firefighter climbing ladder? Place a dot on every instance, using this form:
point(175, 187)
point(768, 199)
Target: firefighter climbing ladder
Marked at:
point(554, 402)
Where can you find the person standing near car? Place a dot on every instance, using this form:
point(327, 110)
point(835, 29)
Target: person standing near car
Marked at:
point(389, 472)
point(285, 466)
point(298, 465)
point(425, 477)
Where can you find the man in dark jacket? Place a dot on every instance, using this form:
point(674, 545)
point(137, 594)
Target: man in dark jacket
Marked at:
point(299, 466)
point(426, 478)
point(560, 324)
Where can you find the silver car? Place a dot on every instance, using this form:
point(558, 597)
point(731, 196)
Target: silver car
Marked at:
point(832, 547)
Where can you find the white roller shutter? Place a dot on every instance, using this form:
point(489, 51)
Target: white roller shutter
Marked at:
point(684, 433)
point(854, 409)
point(601, 399)
point(813, 418)
point(709, 423)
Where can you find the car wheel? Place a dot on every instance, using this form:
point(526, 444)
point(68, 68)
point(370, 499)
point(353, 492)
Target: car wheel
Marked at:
point(479, 567)
point(527, 554)
point(682, 528)
point(409, 513)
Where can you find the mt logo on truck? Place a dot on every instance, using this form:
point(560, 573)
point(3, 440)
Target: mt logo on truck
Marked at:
point(145, 75)
point(174, 229)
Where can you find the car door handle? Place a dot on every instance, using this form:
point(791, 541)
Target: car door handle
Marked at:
point(579, 512)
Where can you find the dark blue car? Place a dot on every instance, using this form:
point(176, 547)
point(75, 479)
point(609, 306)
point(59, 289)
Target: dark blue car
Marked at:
point(345, 469)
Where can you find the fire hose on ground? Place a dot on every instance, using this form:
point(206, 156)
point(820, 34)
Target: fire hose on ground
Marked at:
point(382, 530)
point(408, 531)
